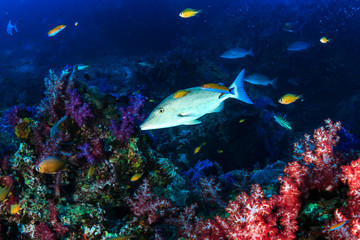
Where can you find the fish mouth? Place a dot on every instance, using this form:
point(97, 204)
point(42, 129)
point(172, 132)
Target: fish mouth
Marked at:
point(147, 126)
point(143, 127)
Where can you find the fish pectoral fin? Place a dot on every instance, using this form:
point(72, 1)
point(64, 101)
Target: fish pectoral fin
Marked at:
point(192, 122)
point(186, 114)
point(218, 108)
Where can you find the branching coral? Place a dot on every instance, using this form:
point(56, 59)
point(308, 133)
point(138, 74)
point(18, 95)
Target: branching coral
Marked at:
point(130, 116)
point(255, 217)
point(148, 208)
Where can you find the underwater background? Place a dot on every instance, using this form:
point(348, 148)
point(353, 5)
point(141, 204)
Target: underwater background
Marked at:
point(79, 77)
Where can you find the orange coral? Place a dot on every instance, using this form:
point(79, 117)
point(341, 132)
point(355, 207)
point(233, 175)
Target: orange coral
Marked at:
point(22, 130)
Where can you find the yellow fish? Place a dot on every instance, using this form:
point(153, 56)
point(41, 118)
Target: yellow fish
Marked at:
point(197, 149)
point(189, 12)
point(91, 171)
point(337, 226)
point(180, 146)
point(289, 98)
point(136, 177)
point(4, 192)
point(51, 165)
point(56, 30)
point(324, 40)
point(220, 151)
point(15, 208)
point(242, 120)
point(180, 93)
point(217, 88)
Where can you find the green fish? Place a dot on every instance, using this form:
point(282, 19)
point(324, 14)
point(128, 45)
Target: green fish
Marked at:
point(282, 121)
point(196, 103)
point(81, 67)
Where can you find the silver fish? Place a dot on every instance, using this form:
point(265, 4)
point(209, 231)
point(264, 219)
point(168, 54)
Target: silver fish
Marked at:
point(298, 46)
point(196, 103)
point(10, 28)
point(260, 79)
point(237, 53)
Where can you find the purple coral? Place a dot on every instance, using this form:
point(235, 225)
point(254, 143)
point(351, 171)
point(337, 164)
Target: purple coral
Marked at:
point(86, 152)
point(76, 110)
point(130, 116)
point(91, 152)
point(198, 171)
point(11, 117)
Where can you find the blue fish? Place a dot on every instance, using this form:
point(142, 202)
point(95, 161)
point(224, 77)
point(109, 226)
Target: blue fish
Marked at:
point(237, 53)
point(11, 27)
point(298, 46)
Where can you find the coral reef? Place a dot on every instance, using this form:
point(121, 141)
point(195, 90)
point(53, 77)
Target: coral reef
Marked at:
point(316, 171)
point(65, 125)
point(102, 149)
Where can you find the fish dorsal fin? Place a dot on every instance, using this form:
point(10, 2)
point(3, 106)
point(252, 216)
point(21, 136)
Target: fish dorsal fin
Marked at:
point(192, 122)
point(218, 108)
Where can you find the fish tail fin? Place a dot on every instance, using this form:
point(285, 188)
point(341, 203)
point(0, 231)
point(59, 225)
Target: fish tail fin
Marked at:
point(15, 27)
point(238, 86)
point(274, 82)
point(251, 52)
point(199, 11)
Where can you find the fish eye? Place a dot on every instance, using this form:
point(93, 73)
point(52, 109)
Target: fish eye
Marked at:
point(37, 169)
point(161, 110)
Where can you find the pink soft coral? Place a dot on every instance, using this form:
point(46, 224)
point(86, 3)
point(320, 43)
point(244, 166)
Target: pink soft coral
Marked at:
point(147, 207)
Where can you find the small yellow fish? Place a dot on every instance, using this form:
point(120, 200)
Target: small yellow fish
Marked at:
point(189, 12)
point(324, 40)
point(337, 226)
point(4, 192)
point(220, 151)
point(180, 146)
point(56, 30)
point(242, 120)
point(136, 177)
point(51, 165)
point(197, 149)
point(180, 93)
point(15, 208)
point(216, 88)
point(91, 171)
point(289, 98)
point(152, 100)
point(76, 23)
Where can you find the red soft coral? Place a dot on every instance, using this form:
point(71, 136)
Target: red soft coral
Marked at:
point(58, 227)
point(147, 207)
